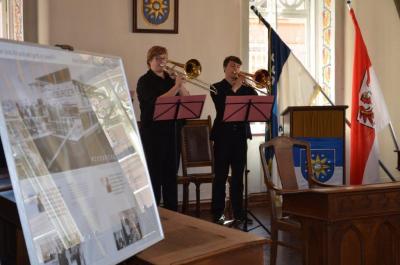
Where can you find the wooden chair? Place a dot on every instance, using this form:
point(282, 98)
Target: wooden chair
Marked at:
point(185, 182)
point(196, 152)
point(283, 151)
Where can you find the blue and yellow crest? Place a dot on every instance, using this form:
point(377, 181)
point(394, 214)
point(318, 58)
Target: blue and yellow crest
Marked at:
point(322, 163)
point(156, 11)
point(326, 158)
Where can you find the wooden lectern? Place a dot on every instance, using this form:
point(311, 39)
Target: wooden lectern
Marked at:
point(322, 126)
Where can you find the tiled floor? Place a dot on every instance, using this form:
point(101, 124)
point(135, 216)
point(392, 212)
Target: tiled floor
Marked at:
point(285, 256)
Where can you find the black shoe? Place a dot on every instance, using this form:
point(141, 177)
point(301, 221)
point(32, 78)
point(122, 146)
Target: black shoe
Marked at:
point(237, 223)
point(223, 221)
point(243, 220)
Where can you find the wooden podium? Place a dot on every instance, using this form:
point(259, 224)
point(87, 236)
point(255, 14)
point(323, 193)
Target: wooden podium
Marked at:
point(316, 123)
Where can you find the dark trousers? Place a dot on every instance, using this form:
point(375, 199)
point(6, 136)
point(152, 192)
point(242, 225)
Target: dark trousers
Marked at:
point(229, 151)
point(162, 152)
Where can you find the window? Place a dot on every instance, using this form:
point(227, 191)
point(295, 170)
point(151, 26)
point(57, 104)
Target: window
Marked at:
point(3, 19)
point(11, 19)
point(306, 26)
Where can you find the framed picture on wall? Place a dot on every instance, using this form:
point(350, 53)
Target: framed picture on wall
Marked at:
point(155, 16)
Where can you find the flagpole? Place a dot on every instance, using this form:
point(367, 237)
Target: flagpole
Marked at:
point(396, 144)
point(394, 137)
point(255, 10)
point(270, 61)
point(349, 4)
point(270, 87)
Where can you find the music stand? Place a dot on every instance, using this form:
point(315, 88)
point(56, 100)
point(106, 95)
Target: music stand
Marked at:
point(248, 109)
point(178, 108)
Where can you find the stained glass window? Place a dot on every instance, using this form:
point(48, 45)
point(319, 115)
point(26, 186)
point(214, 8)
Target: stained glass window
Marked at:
point(11, 19)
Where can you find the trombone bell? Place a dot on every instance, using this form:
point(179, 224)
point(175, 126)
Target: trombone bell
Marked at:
point(260, 78)
point(191, 70)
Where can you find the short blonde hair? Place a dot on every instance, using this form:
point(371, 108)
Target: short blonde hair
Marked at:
point(155, 51)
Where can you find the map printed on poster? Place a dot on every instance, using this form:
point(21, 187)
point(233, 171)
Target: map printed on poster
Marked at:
point(75, 158)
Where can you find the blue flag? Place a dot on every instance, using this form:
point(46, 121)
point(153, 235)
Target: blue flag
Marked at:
point(292, 84)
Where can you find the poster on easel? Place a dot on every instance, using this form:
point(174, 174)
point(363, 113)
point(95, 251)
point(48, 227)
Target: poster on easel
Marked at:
point(74, 156)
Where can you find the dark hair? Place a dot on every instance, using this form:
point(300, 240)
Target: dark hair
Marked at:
point(155, 51)
point(233, 59)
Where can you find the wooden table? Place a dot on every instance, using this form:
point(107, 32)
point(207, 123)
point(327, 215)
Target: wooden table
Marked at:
point(187, 241)
point(192, 241)
point(349, 225)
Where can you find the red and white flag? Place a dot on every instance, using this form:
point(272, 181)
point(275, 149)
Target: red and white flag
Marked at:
point(369, 115)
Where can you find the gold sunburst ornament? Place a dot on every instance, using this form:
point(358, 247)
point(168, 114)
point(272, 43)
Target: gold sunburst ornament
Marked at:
point(156, 11)
point(319, 166)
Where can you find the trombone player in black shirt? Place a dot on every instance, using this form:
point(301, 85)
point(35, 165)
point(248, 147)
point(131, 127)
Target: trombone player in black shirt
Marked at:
point(160, 138)
point(230, 143)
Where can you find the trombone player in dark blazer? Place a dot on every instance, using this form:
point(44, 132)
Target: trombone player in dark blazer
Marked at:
point(230, 143)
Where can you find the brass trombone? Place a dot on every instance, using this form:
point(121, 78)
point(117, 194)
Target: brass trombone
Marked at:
point(260, 78)
point(191, 70)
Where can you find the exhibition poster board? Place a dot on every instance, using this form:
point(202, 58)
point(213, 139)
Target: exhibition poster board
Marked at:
point(74, 155)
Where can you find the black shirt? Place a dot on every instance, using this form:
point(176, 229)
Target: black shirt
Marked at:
point(219, 127)
point(149, 87)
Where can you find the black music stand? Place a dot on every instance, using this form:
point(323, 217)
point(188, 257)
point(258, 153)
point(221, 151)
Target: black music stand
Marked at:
point(178, 108)
point(248, 109)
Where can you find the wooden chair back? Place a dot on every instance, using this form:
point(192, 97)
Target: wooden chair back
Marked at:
point(196, 145)
point(282, 148)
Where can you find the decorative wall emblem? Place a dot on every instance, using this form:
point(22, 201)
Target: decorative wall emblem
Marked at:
point(156, 11)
